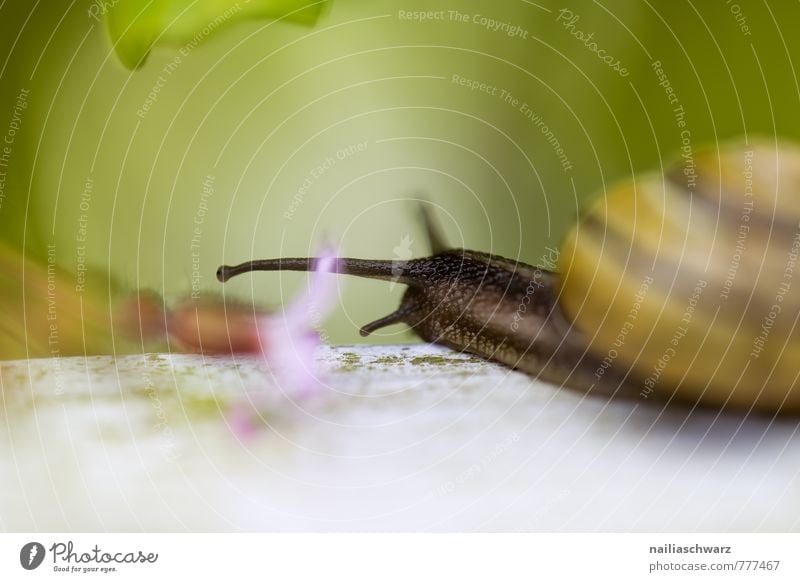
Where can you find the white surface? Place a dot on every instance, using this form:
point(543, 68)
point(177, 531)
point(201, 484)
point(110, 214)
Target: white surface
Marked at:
point(404, 438)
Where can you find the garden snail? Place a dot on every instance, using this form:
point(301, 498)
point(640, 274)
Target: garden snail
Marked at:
point(676, 285)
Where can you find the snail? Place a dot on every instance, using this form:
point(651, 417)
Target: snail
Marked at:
point(681, 285)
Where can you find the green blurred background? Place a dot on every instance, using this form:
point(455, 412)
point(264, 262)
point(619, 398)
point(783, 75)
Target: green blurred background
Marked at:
point(263, 138)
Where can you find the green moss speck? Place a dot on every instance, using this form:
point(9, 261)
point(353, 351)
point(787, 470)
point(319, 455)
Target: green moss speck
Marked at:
point(350, 361)
point(431, 360)
point(387, 360)
point(202, 406)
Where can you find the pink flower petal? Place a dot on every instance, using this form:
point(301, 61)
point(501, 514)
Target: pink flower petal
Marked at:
point(242, 420)
point(318, 301)
point(289, 341)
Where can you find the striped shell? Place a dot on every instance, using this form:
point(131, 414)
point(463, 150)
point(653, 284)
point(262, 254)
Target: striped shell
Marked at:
point(690, 280)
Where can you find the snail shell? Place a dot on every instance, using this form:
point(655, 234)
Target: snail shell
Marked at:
point(688, 281)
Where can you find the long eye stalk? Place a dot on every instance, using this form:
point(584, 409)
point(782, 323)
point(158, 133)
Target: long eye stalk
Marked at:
point(368, 268)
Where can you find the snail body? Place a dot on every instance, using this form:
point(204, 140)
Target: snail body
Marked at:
point(679, 285)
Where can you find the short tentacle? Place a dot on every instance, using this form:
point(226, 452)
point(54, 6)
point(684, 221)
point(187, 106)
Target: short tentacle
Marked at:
point(433, 230)
point(398, 316)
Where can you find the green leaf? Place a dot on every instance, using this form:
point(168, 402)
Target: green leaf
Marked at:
point(135, 27)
